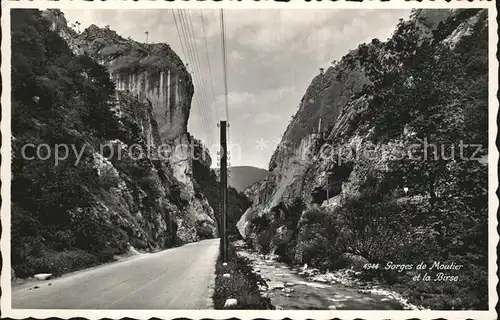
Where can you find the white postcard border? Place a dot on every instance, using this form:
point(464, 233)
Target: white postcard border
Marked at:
point(493, 157)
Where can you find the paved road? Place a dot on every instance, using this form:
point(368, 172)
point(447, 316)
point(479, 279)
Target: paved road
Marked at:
point(177, 278)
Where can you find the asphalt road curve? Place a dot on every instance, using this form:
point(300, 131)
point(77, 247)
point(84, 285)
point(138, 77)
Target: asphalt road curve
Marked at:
point(178, 278)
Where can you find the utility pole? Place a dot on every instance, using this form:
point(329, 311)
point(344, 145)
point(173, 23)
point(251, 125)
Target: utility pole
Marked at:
point(223, 184)
point(327, 187)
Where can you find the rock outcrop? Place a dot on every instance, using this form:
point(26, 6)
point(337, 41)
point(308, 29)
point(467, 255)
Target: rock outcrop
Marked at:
point(307, 162)
point(152, 72)
point(155, 76)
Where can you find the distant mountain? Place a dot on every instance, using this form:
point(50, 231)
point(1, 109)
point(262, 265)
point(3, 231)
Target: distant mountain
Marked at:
point(243, 177)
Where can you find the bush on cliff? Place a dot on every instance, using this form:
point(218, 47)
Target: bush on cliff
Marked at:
point(319, 239)
point(203, 230)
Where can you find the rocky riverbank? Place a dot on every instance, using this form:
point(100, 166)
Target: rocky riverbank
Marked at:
point(308, 289)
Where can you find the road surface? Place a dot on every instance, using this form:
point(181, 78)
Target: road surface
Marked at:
point(177, 278)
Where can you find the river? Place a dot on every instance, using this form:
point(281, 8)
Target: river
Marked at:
point(290, 290)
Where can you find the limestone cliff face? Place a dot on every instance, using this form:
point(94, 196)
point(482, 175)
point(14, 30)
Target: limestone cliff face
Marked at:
point(151, 72)
point(337, 97)
point(294, 171)
point(155, 90)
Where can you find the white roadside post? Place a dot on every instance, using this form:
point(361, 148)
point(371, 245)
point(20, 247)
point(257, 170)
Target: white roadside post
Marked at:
point(230, 303)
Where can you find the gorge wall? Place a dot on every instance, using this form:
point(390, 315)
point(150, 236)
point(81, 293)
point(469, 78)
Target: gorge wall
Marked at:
point(156, 76)
point(119, 101)
point(385, 178)
point(339, 97)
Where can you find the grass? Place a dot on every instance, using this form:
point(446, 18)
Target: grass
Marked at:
point(242, 285)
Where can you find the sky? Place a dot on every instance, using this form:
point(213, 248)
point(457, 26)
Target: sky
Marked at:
point(272, 56)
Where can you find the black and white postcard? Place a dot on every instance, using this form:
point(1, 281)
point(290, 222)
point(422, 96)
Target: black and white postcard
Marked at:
point(249, 159)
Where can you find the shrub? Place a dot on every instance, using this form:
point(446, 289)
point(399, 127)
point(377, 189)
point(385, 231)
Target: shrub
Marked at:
point(138, 244)
point(377, 231)
point(286, 250)
point(260, 223)
point(56, 263)
point(108, 177)
point(319, 242)
point(95, 234)
point(176, 196)
point(263, 240)
point(294, 212)
point(64, 239)
point(203, 230)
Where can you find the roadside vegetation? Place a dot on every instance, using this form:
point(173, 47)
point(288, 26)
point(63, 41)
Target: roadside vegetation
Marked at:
point(242, 284)
point(57, 98)
point(87, 208)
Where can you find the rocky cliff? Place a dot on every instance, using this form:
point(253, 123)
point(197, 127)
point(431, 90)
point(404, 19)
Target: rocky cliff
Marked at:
point(331, 112)
point(125, 105)
point(386, 177)
point(153, 73)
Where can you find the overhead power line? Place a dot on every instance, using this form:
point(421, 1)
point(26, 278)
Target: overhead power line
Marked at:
point(191, 52)
point(224, 60)
point(187, 52)
point(198, 65)
point(224, 66)
point(178, 33)
point(186, 28)
point(209, 64)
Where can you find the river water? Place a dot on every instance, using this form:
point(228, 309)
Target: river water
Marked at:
point(290, 291)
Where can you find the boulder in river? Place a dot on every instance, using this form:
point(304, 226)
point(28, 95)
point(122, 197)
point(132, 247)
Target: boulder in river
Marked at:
point(321, 278)
point(278, 286)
